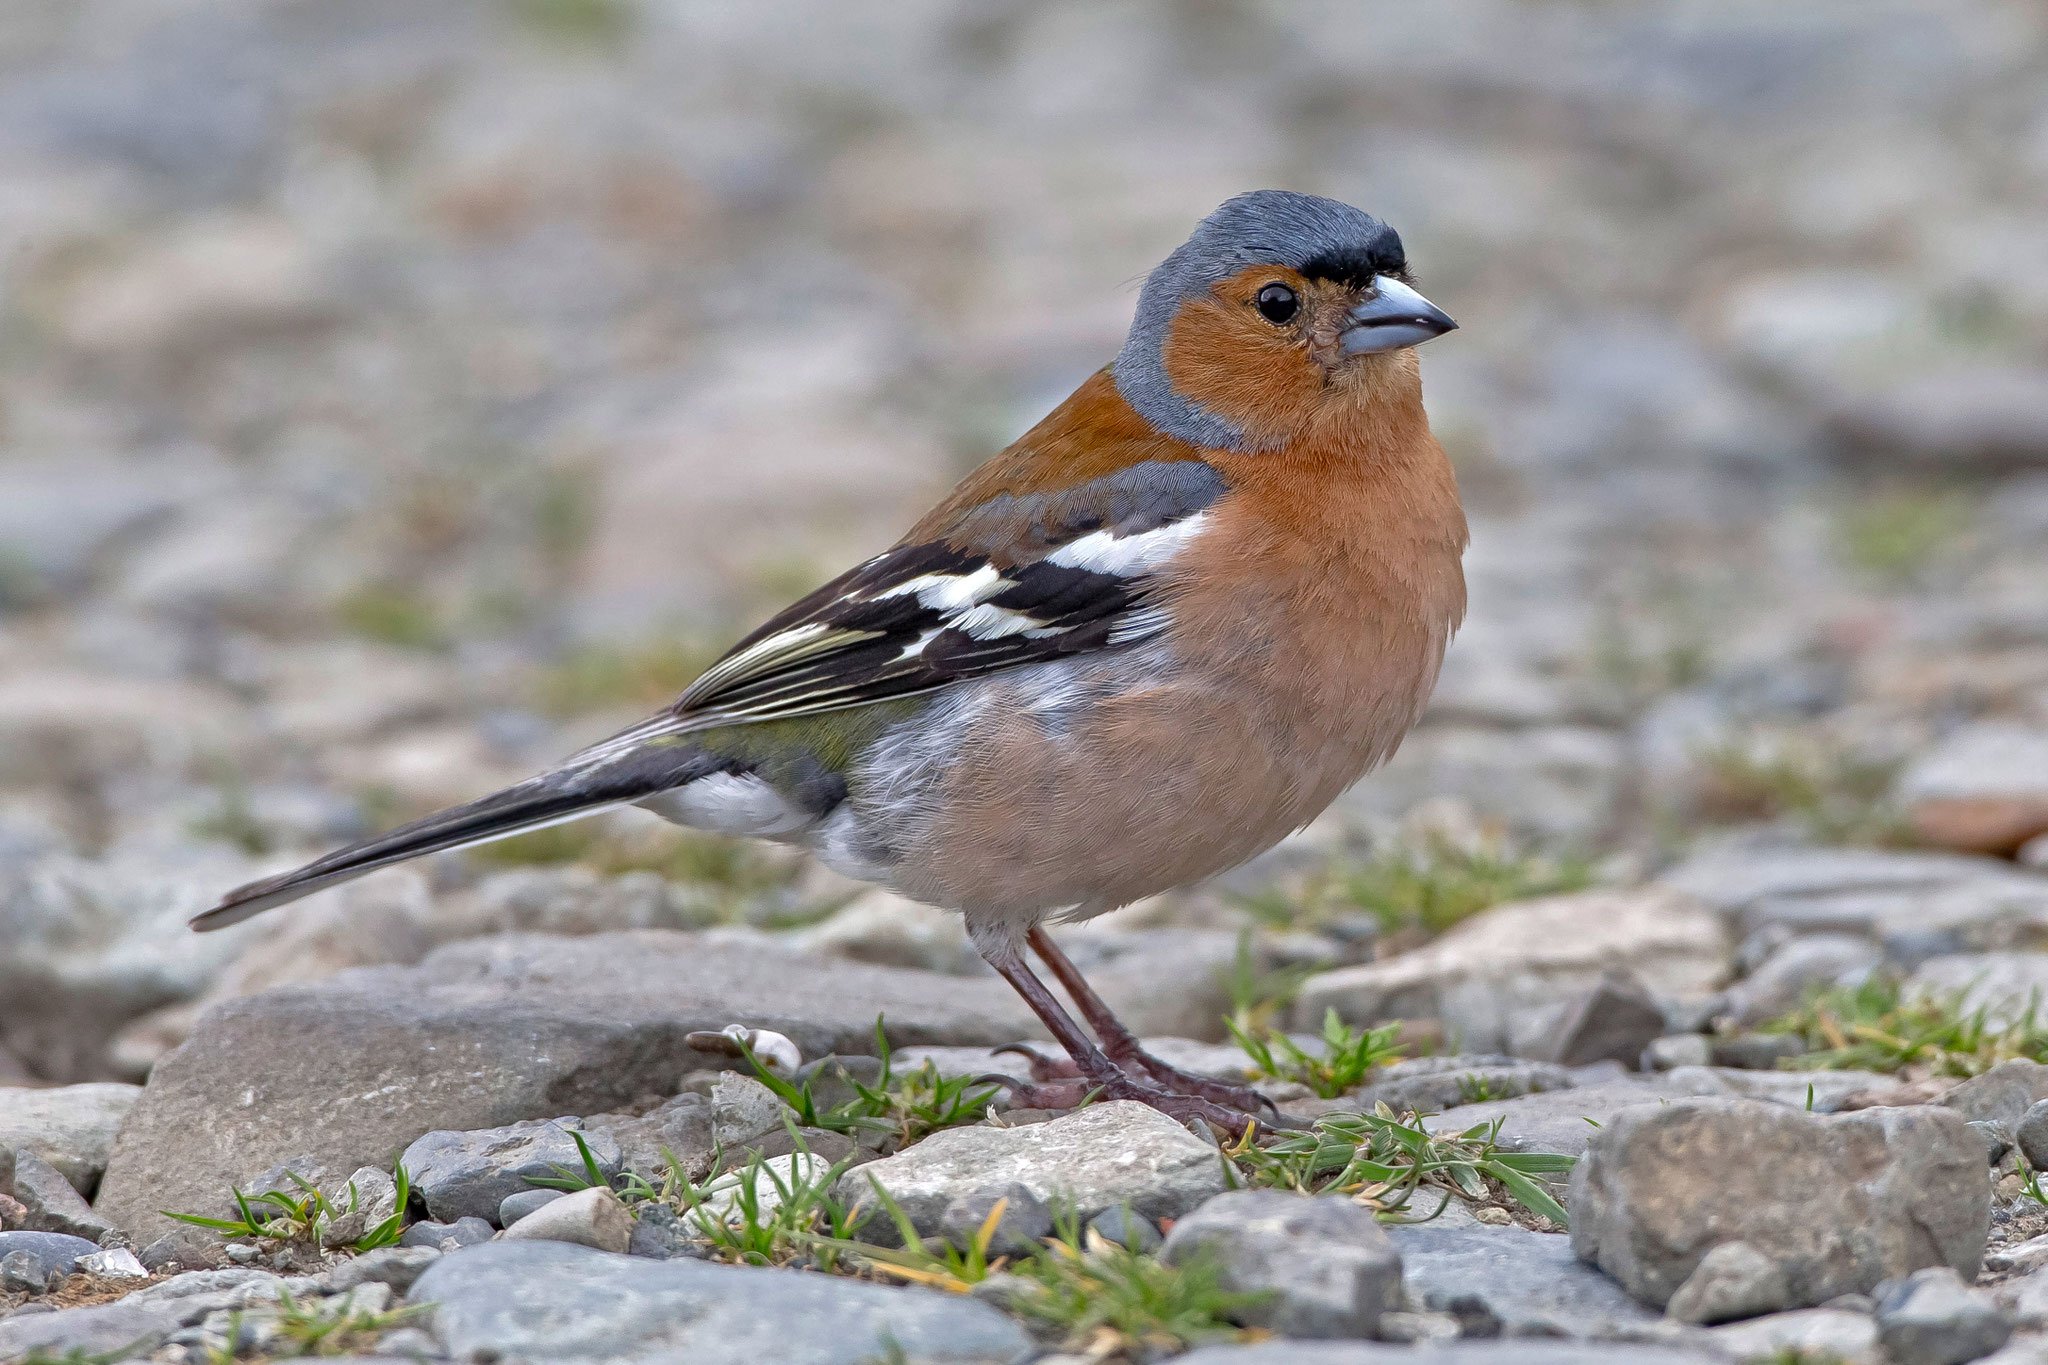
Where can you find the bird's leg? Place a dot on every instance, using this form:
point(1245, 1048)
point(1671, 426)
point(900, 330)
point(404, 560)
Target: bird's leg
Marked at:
point(1123, 1048)
point(1098, 1073)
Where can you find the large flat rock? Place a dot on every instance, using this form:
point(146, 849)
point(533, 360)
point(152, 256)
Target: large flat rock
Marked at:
point(485, 1033)
point(575, 1306)
point(1503, 980)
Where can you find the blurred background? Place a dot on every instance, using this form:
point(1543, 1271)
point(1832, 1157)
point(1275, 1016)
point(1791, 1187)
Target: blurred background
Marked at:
point(397, 394)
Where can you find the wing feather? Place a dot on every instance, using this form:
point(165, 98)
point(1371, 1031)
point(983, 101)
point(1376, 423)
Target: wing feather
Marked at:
point(981, 599)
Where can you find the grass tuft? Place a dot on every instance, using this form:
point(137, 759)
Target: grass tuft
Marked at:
point(1895, 537)
point(902, 1107)
point(1836, 796)
point(1111, 1302)
point(391, 614)
point(1420, 892)
point(281, 1216)
point(951, 1268)
point(1349, 1055)
point(1877, 1027)
point(1384, 1160)
point(334, 1327)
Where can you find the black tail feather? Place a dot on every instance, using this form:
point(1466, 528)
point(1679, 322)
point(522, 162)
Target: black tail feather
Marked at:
point(569, 793)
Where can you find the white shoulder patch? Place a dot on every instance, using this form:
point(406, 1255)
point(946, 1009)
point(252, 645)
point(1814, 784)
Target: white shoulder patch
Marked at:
point(1130, 556)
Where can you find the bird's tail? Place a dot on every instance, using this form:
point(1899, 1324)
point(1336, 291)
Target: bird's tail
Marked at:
point(568, 793)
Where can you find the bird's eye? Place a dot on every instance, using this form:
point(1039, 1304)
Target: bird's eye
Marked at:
point(1277, 303)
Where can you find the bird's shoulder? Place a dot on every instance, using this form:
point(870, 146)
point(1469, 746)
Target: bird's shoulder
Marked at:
point(1050, 549)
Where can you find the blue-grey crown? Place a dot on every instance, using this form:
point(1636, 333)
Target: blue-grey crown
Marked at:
point(1318, 237)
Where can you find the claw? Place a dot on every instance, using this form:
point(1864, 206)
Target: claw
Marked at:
point(1172, 1078)
point(1043, 1068)
point(1025, 1095)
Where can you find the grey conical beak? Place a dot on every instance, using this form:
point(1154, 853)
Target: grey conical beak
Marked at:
point(1395, 317)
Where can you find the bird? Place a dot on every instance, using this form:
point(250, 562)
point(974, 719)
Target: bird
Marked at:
point(1165, 628)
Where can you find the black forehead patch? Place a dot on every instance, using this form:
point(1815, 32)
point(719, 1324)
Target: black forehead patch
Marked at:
point(1354, 266)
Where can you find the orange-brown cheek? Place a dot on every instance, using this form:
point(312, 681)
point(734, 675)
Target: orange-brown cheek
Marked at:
point(1254, 376)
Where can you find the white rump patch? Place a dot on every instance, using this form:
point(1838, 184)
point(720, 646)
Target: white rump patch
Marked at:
point(1129, 556)
point(730, 803)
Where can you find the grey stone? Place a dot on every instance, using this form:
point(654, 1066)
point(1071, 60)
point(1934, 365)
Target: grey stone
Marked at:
point(70, 1126)
point(1983, 789)
point(743, 1109)
point(2005, 985)
point(679, 1127)
point(1565, 1121)
point(1824, 1334)
point(395, 1266)
point(661, 1234)
point(1450, 1353)
point(1983, 902)
point(1757, 1051)
point(94, 943)
point(1025, 1219)
point(1932, 1318)
point(1614, 1021)
point(123, 1326)
point(542, 1026)
point(469, 1175)
point(594, 1218)
point(1676, 1050)
point(1125, 1229)
point(1323, 1266)
point(1425, 1085)
point(1821, 1091)
point(517, 1206)
point(55, 1252)
point(22, 1273)
point(1510, 1282)
point(1998, 1139)
point(1839, 1202)
point(2031, 1134)
point(113, 1263)
point(1495, 981)
point(463, 1232)
point(1096, 1158)
point(888, 930)
point(1732, 1281)
point(1781, 981)
point(2025, 1300)
point(52, 1204)
point(2002, 1095)
point(554, 1301)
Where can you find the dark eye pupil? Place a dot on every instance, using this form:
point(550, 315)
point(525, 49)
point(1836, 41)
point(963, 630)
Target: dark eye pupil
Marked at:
point(1277, 303)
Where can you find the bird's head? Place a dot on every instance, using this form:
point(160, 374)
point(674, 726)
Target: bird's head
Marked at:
point(1279, 310)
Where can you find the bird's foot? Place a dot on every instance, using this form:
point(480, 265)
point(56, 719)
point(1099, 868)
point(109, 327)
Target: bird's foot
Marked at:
point(1169, 1077)
point(1230, 1123)
point(1044, 1068)
point(1164, 1075)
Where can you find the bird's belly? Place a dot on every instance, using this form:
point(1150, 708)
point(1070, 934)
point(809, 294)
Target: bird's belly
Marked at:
point(1093, 784)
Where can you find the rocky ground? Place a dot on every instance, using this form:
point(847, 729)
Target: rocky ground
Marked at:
point(393, 397)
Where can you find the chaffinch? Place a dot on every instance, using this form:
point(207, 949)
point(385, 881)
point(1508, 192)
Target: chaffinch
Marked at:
point(1167, 626)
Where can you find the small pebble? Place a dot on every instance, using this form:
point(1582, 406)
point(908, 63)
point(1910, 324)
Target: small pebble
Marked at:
point(117, 1264)
point(241, 1253)
point(517, 1206)
point(1126, 1229)
point(22, 1273)
point(1493, 1217)
point(463, 1232)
